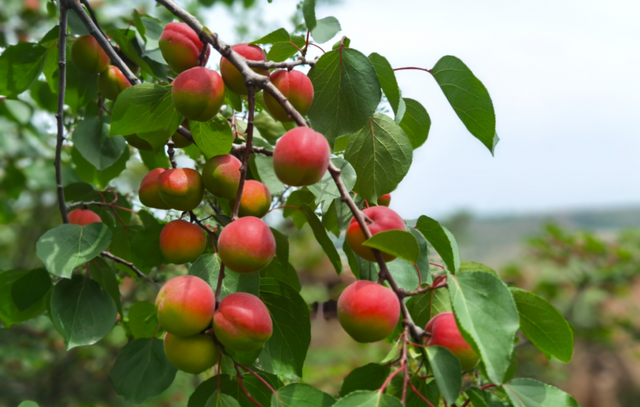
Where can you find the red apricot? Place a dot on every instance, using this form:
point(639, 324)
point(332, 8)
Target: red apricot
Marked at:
point(384, 200)
point(368, 311)
point(444, 332)
point(246, 245)
point(88, 56)
point(83, 217)
point(191, 354)
point(242, 322)
point(198, 94)
point(182, 242)
point(296, 87)
point(181, 47)
point(149, 193)
point(112, 82)
point(301, 157)
point(181, 188)
point(383, 219)
point(221, 176)
point(232, 76)
point(185, 305)
point(255, 199)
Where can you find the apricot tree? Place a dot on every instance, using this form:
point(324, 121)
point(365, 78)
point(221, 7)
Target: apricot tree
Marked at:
point(454, 325)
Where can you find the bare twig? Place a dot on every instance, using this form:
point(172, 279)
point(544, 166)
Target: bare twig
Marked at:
point(247, 152)
point(171, 152)
point(62, 68)
point(282, 65)
point(130, 265)
point(219, 286)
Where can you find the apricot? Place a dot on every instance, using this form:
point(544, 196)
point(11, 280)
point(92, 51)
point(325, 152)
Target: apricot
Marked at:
point(221, 176)
point(182, 242)
point(232, 76)
point(88, 56)
point(149, 193)
point(255, 199)
point(191, 354)
point(198, 94)
point(181, 47)
point(181, 188)
point(83, 217)
point(111, 82)
point(301, 157)
point(367, 311)
point(384, 200)
point(242, 322)
point(139, 143)
point(185, 305)
point(246, 245)
point(383, 219)
point(444, 332)
point(296, 87)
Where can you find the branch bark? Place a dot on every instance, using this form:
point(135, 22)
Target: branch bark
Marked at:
point(62, 68)
point(130, 265)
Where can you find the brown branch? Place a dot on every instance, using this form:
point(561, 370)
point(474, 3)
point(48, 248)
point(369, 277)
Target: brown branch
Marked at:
point(244, 389)
point(62, 68)
point(247, 152)
point(282, 65)
point(171, 152)
point(130, 265)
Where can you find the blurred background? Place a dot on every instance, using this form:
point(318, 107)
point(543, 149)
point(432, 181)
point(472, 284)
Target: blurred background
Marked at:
point(556, 211)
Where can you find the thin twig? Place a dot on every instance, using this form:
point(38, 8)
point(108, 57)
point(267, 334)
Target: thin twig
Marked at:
point(62, 68)
point(130, 265)
point(171, 152)
point(244, 389)
point(219, 285)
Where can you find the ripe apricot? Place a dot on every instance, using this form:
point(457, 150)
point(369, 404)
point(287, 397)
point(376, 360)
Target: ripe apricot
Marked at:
point(111, 82)
point(383, 219)
point(83, 217)
point(444, 332)
point(242, 322)
point(181, 188)
point(232, 76)
point(88, 56)
point(149, 193)
point(255, 199)
point(221, 176)
point(198, 94)
point(185, 305)
point(296, 87)
point(181, 47)
point(301, 157)
point(182, 242)
point(246, 245)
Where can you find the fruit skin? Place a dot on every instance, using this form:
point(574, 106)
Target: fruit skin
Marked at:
point(255, 199)
point(301, 157)
point(242, 322)
point(181, 47)
point(181, 188)
point(384, 200)
point(368, 311)
point(246, 245)
point(139, 143)
point(198, 94)
point(185, 305)
point(88, 56)
point(149, 193)
point(296, 87)
point(112, 82)
point(83, 217)
point(232, 76)
point(191, 354)
point(182, 242)
point(444, 332)
point(383, 219)
point(221, 176)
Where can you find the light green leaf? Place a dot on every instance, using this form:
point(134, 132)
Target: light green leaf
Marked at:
point(219, 399)
point(446, 371)
point(399, 243)
point(442, 241)
point(20, 65)
point(213, 137)
point(387, 78)
point(301, 395)
point(294, 203)
point(30, 289)
point(266, 173)
point(368, 399)
point(532, 393)
point(326, 190)
point(91, 138)
point(415, 122)
point(321, 236)
point(143, 319)
point(325, 29)
point(274, 37)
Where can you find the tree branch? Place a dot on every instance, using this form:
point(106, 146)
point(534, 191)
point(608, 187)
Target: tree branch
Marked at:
point(171, 152)
point(280, 65)
point(130, 265)
point(62, 69)
point(247, 152)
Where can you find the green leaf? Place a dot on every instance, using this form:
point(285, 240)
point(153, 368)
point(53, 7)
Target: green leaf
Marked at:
point(154, 159)
point(446, 371)
point(381, 155)
point(285, 352)
point(477, 396)
point(145, 247)
point(469, 98)
point(347, 93)
point(368, 399)
point(399, 243)
point(88, 173)
point(389, 84)
point(31, 288)
point(92, 140)
point(361, 268)
point(143, 319)
point(279, 268)
point(67, 246)
point(266, 173)
point(532, 393)
point(543, 325)
point(293, 206)
point(442, 241)
point(82, 87)
point(367, 377)
point(301, 395)
point(219, 399)
point(424, 267)
point(279, 35)
point(415, 122)
point(309, 13)
point(132, 46)
point(9, 312)
point(142, 370)
point(404, 273)
point(231, 387)
point(423, 307)
point(282, 51)
point(337, 217)
point(428, 390)
point(76, 25)
point(326, 190)
point(321, 236)
point(20, 65)
point(103, 273)
point(207, 267)
point(82, 311)
point(213, 137)
point(487, 315)
point(269, 128)
point(473, 266)
point(325, 29)
point(28, 403)
point(16, 110)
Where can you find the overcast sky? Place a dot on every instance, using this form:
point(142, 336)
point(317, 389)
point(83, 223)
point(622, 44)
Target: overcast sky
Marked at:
point(564, 77)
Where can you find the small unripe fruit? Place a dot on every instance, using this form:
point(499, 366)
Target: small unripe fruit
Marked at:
point(301, 157)
point(181, 188)
point(185, 305)
point(179, 140)
point(383, 219)
point(139, 143)
point(191, 354)
point(384, 200)
point(83, 217)
point(198, 94)
point(232, 76)
point(181, 47)
point(368, 311)
point(296, 87)
point(88, 56)
point(246, 245)
point(221, 176)
point(444, 332)
point(242, 322)
point(255, 200)
point(182, 242)
point(112, 82)
point(149, 191)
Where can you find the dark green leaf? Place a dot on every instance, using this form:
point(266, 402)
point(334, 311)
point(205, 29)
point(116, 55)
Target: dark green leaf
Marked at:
point(91, 138)
point(219, 399)
point(423, 307)
point(82, 87)
point(532, 393)
point(105, 275)
point(446, 371)
point(415, 122)
point(20, 65)
point(301, 395)
point(231, 387)
point(321, 236)
point(399, 243)
point(423, 261)
point(9, 312)
point(367, 377)
point(309, 13)
point(442, 241)
point(145, 247)
point(279, 35)
point(31, 288)
point(76, 25)
point(389, 84)
point(368, 399)
point(477, 396)
point(154, 159)
point(325, 29)
point(428, 390)
point(213, 137)
point(143, 319)
point(282, 272)
point(44, 97)
point(361, 268)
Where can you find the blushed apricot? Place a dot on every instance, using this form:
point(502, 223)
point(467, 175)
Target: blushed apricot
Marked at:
point(232, 76)
point(149, 192)
point(444, 332)
point(83, 217)
point(383, 219)
point(221, 176)
point(301, 157)
point(88, 56)
point(181, 47)
point(255, 200)
point(181, 188)
point(185, 305)
point(182, 242)
point(198, 94)
point(242, 322)
point(111, 82)
point(296, 87)
point(246, 245)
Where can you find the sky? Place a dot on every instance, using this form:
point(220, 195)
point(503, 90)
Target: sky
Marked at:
point(565, 83)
